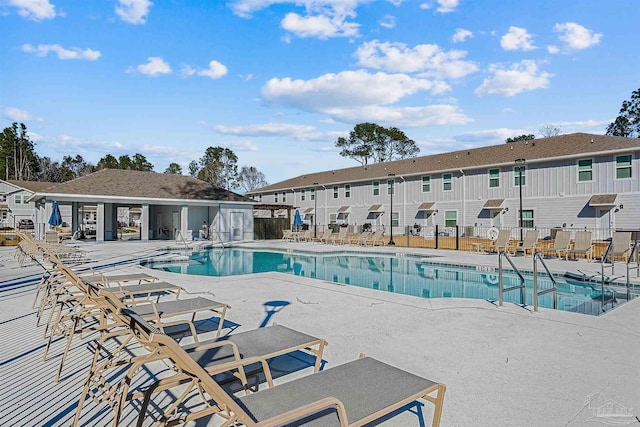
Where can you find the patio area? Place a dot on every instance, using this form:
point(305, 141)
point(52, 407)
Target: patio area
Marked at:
point(503, 366)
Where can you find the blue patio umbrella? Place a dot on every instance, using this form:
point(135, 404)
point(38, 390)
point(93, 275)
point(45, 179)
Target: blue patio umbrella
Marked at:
point(297, 219)
point(56, 218)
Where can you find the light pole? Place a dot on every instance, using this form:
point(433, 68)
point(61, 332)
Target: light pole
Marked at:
point(393, 179)
point(520, 166)
point(315, 210)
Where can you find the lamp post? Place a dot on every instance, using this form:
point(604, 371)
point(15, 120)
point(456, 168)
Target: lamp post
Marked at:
point(315, 210)
point(520, 166)
point(393, 179)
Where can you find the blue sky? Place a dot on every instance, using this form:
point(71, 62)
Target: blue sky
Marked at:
point(279, 81)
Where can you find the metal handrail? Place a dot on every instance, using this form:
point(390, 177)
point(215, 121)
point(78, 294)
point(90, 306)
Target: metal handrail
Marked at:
point(537, 257)
point(211, 232)
point(634, 251)
point(179, 233)
point(501, 289)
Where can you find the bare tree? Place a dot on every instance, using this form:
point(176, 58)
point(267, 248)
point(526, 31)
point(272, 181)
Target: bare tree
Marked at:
point(548, 129)
point(251, 178)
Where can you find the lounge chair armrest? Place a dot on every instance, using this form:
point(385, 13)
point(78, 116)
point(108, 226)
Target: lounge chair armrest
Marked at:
point(306, 410)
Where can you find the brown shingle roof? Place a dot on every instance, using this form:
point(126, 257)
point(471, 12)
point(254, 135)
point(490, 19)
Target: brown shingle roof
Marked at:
point(128, 183)
point(35, 186)
point(603, 200)
point(375, 208)
point(343, 209)
point(575, 144)
point(493, 204)
point(426, 206)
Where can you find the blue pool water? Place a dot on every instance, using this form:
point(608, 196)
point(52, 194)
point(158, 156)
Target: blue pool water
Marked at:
point(408, 275)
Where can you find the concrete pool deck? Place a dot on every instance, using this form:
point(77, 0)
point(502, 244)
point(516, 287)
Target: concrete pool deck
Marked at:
point(503, 366)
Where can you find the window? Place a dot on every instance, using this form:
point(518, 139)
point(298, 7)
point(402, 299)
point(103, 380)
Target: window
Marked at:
point(450, 218)
point(585, 170)
point(395, 219)
point(623, 166)
point(332, 218)
point(275, 195)
point(284, 197)
point(313, 194)
point(494, 178)
point(516, 173)
point(527, 218)
point(335, 191)
point(376, 188)
point(3, 215)
point(390, 187)
point(426, 184)
point(260, 197)
point(347, 191)
point(446, 182)
point(17, 199)
point(302, 195)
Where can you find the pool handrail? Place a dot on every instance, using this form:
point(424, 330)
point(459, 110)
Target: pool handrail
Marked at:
point(501, 289)
point(538, 257)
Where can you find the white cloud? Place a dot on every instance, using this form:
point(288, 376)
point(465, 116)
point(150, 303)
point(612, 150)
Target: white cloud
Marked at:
point(461, 35)
point(427, 58)
point(489, 136)
point(522, 76)
point(242, 145)
point(154, 67)
point(446, 6)
point(408, 117)
point(18, 115)
point(320, 26)
point(66, 142)
point(356, 96)
point(581, 124)
point(73, 53)
point(266, 129)
point(389, 21)
point(575, 36)
point(216, 70)
point(553, 49)
point(348, 88)
point(517, 39)
point(35, 10)
point(133, 11)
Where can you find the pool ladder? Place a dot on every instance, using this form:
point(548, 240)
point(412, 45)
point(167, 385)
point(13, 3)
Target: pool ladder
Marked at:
point(522, 286)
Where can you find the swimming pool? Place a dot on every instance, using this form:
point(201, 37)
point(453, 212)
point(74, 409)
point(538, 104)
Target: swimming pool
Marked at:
point(408, 275)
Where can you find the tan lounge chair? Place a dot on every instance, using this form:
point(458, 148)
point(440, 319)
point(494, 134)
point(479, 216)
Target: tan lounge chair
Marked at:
point(340, 237)
point(582, 245)
point(352, 394)
point(528, 244)
point(360, 239)
point(375, 239)
point(216, 356)
point(500, 244)
point(324, 237)
point(561, 244)
point(621, 244)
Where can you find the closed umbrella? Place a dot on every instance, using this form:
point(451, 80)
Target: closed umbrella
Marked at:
point(56, 218)
point(297, 219)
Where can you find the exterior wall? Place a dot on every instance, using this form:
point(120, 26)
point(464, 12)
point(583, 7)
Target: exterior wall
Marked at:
point(551, 189)
point(12, 209)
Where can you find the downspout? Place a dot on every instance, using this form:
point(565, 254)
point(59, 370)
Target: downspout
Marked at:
point(463, 198)
point(326, 200)
point(402, 223)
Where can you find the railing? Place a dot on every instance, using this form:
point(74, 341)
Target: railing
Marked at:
point(634, 251)
point(219, 239)
point(179, 233)
point(501, 289)
point(537, 257)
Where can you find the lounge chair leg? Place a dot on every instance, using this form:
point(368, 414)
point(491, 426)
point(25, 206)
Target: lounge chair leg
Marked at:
point(70, 334)
point(437, 412)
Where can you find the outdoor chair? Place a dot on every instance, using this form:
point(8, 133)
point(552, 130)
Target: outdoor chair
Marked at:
point(216, 356)
point(500, 244)
point(528, 244)
point(351, 394)
point(324, 237)
point(340, 237)
point(375, 239)
point(582, 245)
point(621, 244)
point(561, 244)
point(360, 239)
